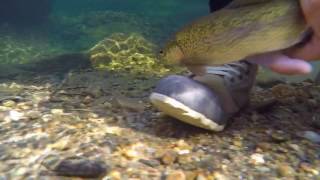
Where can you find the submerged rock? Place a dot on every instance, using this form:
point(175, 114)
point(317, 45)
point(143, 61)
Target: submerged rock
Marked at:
point(75, 166)
point(126, 53)
point(311, 136)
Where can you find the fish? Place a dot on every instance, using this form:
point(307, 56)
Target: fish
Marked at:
point(242, 29)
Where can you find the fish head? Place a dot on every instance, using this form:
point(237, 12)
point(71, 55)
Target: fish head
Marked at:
point(172, 53)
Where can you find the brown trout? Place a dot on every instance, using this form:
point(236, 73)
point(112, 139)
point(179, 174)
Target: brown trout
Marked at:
point(242, 29)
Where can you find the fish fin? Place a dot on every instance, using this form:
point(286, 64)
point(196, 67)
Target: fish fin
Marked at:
point(242, 3)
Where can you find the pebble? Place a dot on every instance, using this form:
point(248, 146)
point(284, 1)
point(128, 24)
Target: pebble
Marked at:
point(62, 144)
point(47, 117)
point(263, 169)
point(33, 114)
point(219, 176)
point(16, 116)
point(151, 162)
point(284, 170)
point(201, 177)
point(311, 136)
point(169, 157)
point(237, 143)
point(257, 159)
point(307, 168)
point(9, 103)
point(87, 100)
point(176, 175)
point(114, 175)
point(264, 146)
point(130, 104)
point(22, 171)
point(24, 105)
point(184, 159)
point(279, 136)
point(57, 111)
point(75, 166)
point(191, 175)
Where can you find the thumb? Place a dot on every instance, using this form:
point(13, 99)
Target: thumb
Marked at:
point(281, 63)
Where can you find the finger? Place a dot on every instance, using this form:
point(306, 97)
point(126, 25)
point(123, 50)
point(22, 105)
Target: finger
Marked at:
point(282, 64)
point(290, 66)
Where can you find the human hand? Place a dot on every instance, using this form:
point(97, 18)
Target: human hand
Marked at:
point(294, 60)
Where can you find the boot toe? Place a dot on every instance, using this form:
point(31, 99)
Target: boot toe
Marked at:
point(189, 101)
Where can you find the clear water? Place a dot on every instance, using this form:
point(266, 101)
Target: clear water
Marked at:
point(77, 25)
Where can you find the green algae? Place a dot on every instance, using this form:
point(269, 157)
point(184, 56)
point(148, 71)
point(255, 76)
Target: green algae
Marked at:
point(128, 54)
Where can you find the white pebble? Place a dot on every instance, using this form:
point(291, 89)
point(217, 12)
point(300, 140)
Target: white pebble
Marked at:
point(57, 111)
point(15, 115)
point(257, 159)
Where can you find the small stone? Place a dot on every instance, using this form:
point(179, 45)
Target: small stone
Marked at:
point(309, 169)
point(57, 111)
point(207, 162)
point(176, 175)
point(62, 144)
point(284, 170)
point(16, 116)
point(9, 103)
point(87, 100)
point(295, 147)
point(47, 117)
point(22, 171)
point(131, 153)
point(311, 136)
point(107, 105)
point(191, 175)
point(184, 159)
point(219, 176)
point(257, 159)
point(75, 166)
point(237, 143)
point(151, 162)
point(129, 104)
point(3, 108)
point(115, 175)
point(33, 114)
point(201, 177)
point(263, 169)
point(24, 106)
point(169, 157)
point(279, 136)
point(264, 146)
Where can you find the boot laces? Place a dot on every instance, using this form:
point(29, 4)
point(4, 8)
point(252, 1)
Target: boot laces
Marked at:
point(232, 71)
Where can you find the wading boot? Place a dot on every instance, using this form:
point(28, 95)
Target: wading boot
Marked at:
point(208, 99)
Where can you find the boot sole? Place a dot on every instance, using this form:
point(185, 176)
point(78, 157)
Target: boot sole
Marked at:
point(183, 113)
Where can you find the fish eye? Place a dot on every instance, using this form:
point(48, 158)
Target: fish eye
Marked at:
point(161, 52)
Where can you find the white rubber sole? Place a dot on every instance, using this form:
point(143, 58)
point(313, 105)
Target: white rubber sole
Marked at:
point(183, 113)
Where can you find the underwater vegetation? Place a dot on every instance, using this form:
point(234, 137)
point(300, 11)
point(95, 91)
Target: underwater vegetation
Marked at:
point(127, 53)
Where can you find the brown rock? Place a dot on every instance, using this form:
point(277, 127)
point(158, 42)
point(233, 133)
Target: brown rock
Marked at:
point(309, 169)
point(169, 157)
point(284, 170)
point(176, 175)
